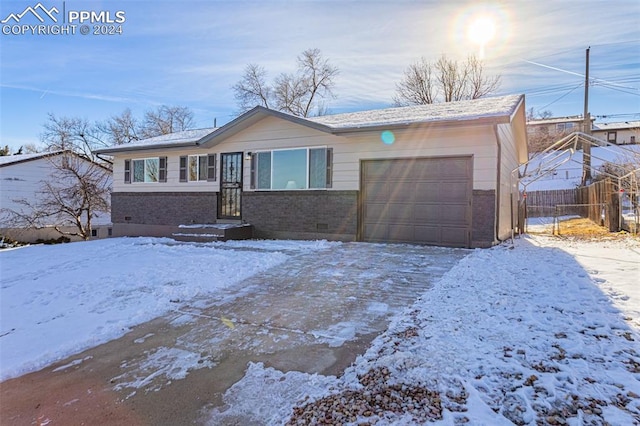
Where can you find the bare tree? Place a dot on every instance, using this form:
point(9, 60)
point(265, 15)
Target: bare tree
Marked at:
point(417, 86)
point(166, 119)
point(532, 114)
point(70, 134)
point(120, 129)
point(252, 89)
point(300, 93)
point(445, 80)
point(70, 198)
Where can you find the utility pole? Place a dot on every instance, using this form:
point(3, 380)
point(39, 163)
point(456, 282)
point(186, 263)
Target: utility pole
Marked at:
point(586, 128)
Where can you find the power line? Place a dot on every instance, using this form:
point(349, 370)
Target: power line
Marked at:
point(551, 103)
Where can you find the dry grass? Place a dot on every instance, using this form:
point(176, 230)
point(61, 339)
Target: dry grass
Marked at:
point(582, 227)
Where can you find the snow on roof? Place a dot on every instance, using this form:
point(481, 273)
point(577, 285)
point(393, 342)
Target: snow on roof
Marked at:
point(502, 106)
point(554, 120)
point(446, 111)
point(616, 126)
point(11, 159)
point(177, 138)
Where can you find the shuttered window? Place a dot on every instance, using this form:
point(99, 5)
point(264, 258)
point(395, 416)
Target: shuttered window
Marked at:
point(127, 171)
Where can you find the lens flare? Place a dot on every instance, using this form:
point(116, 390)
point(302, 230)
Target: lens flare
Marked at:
point(387, 137)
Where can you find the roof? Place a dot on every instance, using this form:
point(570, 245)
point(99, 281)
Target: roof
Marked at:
point(493, 109)
point(616, 126)
point(555, 120)
point(475, 109)
point(177, 139)
point(7, 160)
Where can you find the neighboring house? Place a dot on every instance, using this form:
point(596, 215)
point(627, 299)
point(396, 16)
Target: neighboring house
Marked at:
point(555, 126)
point(436, 174)
point(22, 177)
point(563, 169)
point(621, 133)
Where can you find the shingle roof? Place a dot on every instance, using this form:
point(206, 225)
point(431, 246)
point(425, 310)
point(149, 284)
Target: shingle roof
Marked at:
point(484, 108)
point(617, 126)
point(446, 111)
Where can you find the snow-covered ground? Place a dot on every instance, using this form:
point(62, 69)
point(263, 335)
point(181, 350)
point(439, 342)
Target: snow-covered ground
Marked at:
point(543, 332)
point(59, 300)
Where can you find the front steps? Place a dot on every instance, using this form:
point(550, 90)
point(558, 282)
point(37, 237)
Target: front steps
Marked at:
point(204, 233)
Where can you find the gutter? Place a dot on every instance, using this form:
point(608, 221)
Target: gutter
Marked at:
point(124, 148)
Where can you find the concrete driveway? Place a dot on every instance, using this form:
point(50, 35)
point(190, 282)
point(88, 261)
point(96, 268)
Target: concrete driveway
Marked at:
point(315, 313)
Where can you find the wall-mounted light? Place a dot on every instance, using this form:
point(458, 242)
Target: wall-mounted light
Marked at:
point(247, 155)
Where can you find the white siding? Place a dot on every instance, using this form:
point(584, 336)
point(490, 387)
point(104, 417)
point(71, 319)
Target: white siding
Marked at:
point(348, 150)
point(22, 181)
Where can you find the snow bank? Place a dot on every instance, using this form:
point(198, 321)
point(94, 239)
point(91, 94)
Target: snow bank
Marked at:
point(59, 300)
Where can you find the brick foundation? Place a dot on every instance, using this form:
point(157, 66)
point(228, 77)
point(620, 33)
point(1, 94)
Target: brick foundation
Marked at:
point(331, 215)
point(164, 208)
point(483, 219)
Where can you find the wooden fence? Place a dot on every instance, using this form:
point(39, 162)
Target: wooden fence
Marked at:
point(598, 201)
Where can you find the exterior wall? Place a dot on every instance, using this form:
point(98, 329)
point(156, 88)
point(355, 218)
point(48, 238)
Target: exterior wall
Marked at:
point(46, 234)
point(274, 133)
point(22, 181)
point(508, 195)
point(329, 215)
point(163, 208)
point(484, 218)
point(623, 136)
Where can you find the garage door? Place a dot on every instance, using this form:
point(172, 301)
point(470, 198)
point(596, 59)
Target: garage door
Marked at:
point(423, 200)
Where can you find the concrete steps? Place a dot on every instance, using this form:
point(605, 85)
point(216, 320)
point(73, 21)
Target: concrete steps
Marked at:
point(204, 233)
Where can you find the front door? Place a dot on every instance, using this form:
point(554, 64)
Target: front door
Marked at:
point(230, 196)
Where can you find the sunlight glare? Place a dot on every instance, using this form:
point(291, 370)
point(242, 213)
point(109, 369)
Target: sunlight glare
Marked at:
point(482, 30)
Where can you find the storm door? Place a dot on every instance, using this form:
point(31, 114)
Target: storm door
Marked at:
point(230, 196)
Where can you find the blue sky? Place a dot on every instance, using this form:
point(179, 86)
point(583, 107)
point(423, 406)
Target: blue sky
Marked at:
point(190, 53)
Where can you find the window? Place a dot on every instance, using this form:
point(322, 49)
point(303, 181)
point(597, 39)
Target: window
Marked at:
point(564, 127)
point(145, 170)
point(611, 136)
point(304, 168)
point(94, 232)
point(195, 168)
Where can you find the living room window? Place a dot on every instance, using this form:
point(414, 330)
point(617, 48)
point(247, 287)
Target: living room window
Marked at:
point(145, 170)
point(290, 169)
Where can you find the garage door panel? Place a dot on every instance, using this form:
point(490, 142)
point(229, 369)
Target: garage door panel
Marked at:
point(453, 236)
point(426, 192)
point(400, 233)
point(399, 212)
point(427, 233)
point(376, 232)
point(455, 214)
point(425, 213)
point(425, 200)
point(453, 191)
point(373, 211)
point(376, 191)
point(458, 168)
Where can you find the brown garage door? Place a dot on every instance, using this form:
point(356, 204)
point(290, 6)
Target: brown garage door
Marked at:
point(423, 200)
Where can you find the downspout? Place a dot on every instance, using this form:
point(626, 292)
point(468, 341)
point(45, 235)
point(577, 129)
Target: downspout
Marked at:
point(498, 182)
